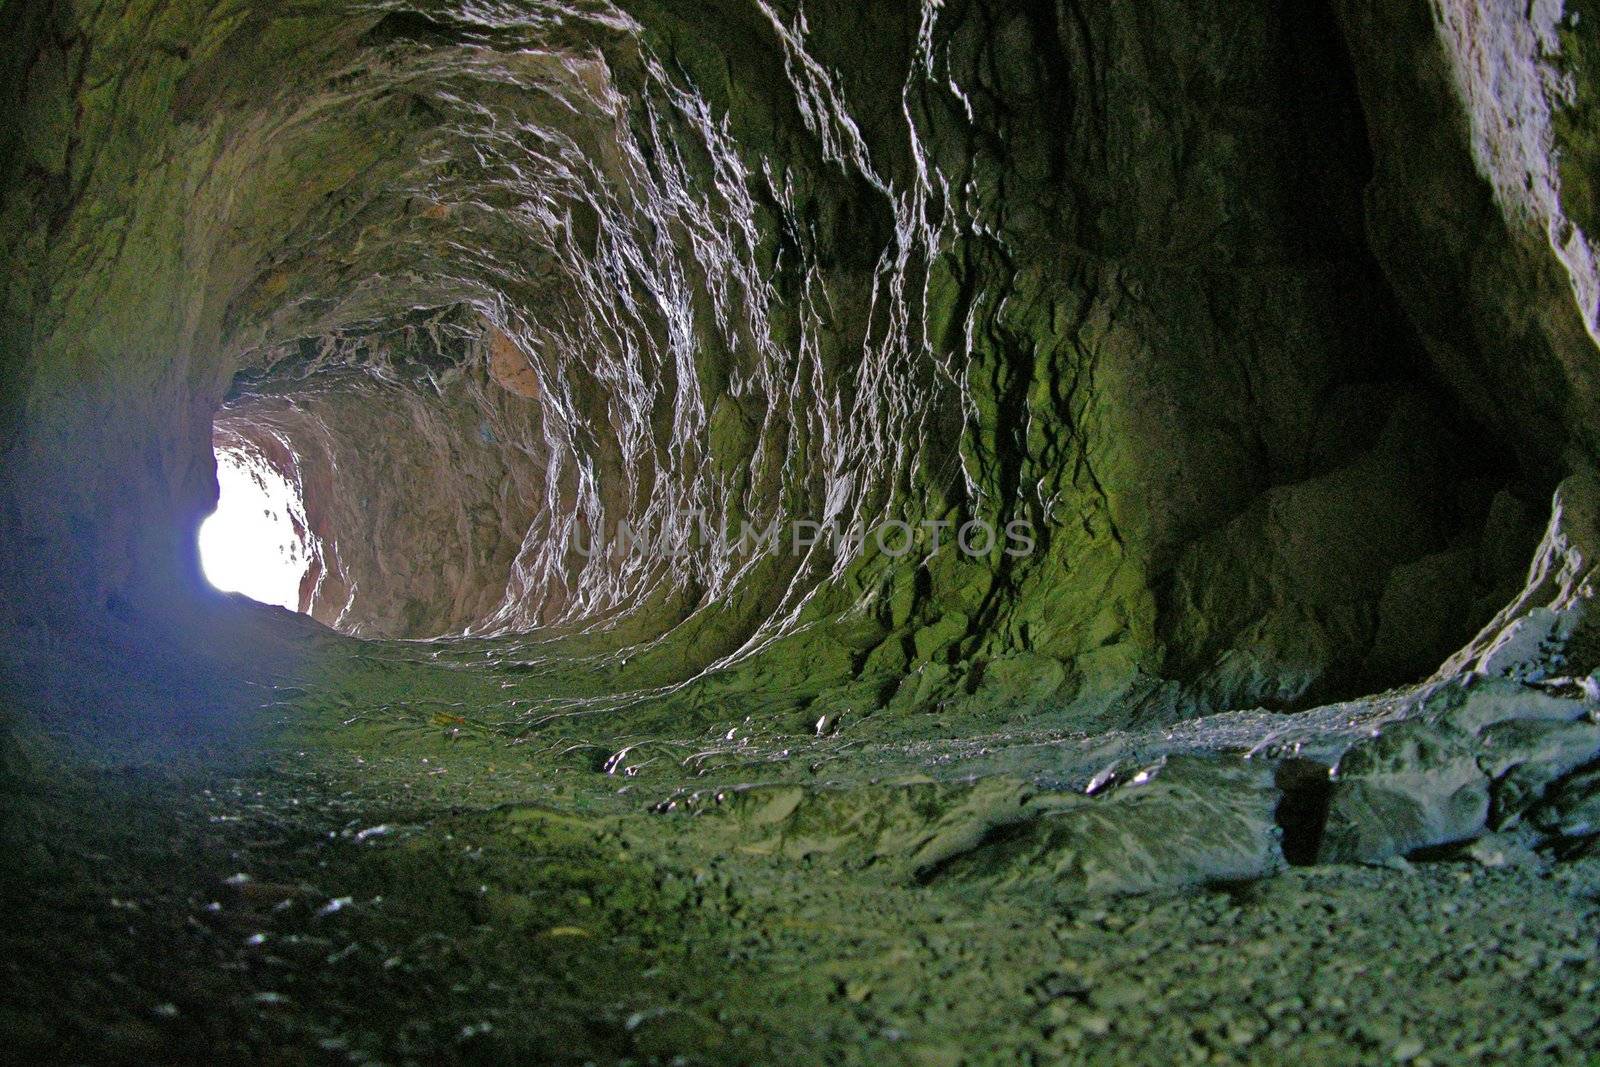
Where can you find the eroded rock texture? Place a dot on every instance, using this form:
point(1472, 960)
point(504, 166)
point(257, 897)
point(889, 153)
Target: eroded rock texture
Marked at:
point(1274, 323)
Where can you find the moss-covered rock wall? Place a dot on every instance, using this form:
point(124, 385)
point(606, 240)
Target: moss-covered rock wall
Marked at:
point(1270, 327)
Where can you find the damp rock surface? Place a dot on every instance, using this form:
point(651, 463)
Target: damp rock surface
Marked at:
point(493, 285)
point(1271, 328)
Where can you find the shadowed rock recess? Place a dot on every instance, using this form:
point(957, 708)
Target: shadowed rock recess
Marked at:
point(648, 375)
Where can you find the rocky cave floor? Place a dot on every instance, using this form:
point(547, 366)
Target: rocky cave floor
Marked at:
point(383, 878)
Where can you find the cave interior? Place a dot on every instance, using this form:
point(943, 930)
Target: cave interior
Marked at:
point(710, 531)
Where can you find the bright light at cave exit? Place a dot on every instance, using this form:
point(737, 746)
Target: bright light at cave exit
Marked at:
point(249, 544)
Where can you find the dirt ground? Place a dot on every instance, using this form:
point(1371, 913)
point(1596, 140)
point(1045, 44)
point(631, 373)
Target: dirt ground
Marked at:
point(389, 882)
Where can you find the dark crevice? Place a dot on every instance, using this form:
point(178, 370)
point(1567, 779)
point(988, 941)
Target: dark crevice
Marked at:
point(1302, 814)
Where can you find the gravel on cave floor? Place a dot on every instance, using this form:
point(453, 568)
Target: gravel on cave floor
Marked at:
point(427, 900)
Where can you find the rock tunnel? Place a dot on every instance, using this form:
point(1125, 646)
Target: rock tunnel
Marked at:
point(944, 532)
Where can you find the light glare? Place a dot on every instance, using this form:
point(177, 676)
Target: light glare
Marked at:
point(249, 544)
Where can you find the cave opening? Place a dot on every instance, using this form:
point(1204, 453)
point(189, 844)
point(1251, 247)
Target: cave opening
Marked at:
point(257, 542)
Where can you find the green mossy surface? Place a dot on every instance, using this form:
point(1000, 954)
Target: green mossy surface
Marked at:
point(383, 882)
point(1285, 418)
point(1147, 387)
point(1577, 120)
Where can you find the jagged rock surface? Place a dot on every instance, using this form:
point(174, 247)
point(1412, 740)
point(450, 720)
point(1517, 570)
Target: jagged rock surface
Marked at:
point(1248, 484)
point(1276, 321)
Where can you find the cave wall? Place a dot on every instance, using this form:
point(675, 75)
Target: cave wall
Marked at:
point(1182, 360)
point(1472, 110)
point(1237, 305)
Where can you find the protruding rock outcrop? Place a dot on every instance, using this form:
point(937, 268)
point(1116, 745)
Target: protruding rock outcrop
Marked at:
point(1182, 821)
